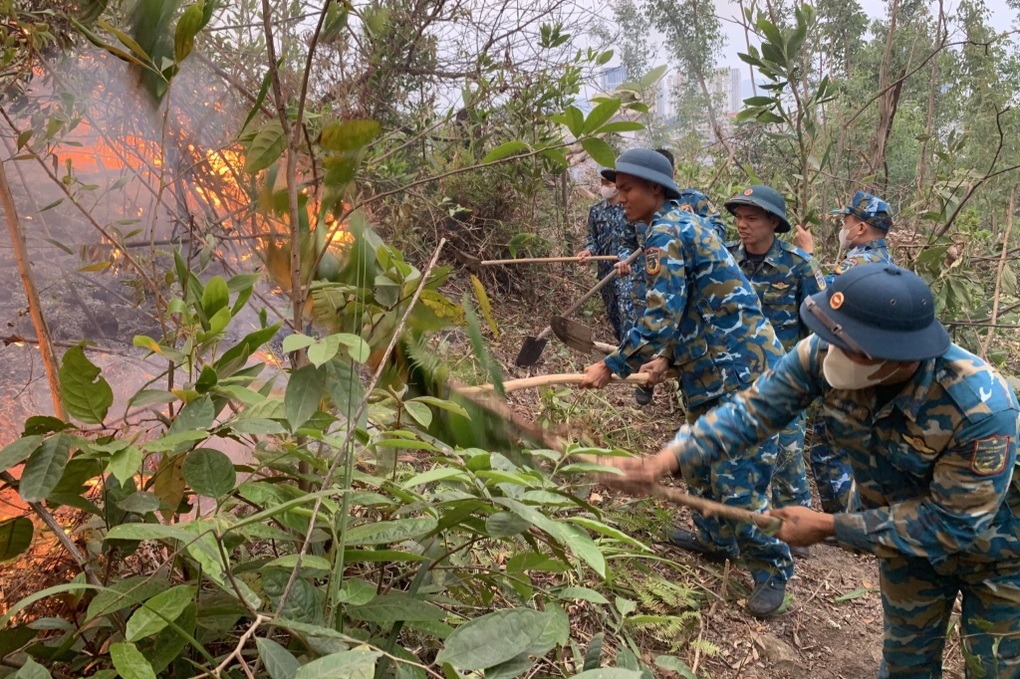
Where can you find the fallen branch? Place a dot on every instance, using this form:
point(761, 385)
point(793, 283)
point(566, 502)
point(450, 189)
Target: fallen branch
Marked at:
point(547, 380)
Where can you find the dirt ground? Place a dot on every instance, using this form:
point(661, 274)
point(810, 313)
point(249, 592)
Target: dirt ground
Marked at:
point(833, 627)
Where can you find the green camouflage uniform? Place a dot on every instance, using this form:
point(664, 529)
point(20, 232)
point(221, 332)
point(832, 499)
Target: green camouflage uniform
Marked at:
point(938, 503)
point(703, 315)
point(782, 281)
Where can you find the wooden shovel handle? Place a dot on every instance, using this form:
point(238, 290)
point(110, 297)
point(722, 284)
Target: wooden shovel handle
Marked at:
point(549, 260)
point(546, 380)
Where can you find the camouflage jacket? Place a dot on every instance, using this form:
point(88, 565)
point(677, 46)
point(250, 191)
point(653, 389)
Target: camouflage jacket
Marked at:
point(785, 277)
point(691, 201)
point(700, 312)
point(872, 251)
point(933, 465)
point(607, 229)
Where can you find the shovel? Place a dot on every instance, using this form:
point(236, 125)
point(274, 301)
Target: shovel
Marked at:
point(533, 347)
point(578, 336)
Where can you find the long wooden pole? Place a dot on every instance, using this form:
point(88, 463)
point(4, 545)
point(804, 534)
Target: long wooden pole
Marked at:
point(547, 380)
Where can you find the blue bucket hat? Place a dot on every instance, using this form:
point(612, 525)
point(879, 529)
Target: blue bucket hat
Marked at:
point(645, 164)
point(695, 201)
point(764, 197)
point(869, 209)
point(880, 310)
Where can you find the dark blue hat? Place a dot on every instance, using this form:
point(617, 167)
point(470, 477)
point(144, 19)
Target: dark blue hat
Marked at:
point(646, 164)
point(764, 197)
point(880, 310)
point(869, 209)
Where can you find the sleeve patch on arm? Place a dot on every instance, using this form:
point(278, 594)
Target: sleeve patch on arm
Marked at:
point(653, 261)
point(820, 279)
point(845, 266)
point(990, 455)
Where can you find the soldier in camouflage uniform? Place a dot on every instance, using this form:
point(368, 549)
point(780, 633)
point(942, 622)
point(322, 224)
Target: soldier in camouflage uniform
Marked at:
point(783, 275)
point(607, 227)
point(931, 432)
point(866, 221)
point(703, 317)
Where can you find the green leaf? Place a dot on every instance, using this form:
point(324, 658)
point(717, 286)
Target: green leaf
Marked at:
point(209, 472)
point(601, 152)
point(493, 639)
point(856, 594)
point(323, 350)
point(44, 468)
point(505, 150)
point(18, 451)
point(296, 341)
point(123, 594)
point(505, 524)
point(385, 532)
point(621, 126)
point(15, 537)
point(304, 392)
point(575, 121)
point(609, 673)
point(140, 502)
point(310, 561)
point(355, 664)
point(32, 670)
point(387, 608)
point(130, 663)
point(158, 612)
point(582, 593)
point(357, 348)
point(188, 26)
point(148, 531)
point(279, 662)
point(601, 115)
point(583, 546)
point(433, 475)
point(215, 296)
point(349, 135)
point(671, 664)
point(421, 413)
point(88, 399)
point(266, 147)
point(443, 404)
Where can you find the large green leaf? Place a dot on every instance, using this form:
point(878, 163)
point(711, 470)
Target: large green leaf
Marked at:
point(44, 468)
point(355, 664)
point(387, 608)
point(32, 670)
point(601, 152)
point(385, 532)
point(158, 612)
point(188, 26)
point(209, 472)
point(87, 398)
point(493, 639)
point(215, 296)
point(266, 147)
point(19, 451)
point(304, 392)
point(279, 662)
point(609, 673)
point(601, 115)
point(672, 664)
point(504, 150)
point(349, 135)
point(130, 663)
point(15, 537)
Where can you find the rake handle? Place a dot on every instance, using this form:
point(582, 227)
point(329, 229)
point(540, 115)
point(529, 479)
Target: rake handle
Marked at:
point(549, 260)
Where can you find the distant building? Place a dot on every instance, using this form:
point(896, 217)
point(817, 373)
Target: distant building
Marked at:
point(613, 77)
point(726, 87)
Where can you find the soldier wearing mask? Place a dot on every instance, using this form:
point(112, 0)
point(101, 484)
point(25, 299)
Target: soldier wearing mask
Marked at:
point(931, 432)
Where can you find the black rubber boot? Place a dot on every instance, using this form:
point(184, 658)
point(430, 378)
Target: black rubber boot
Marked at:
point(643, 395)
point(767, 598)
point(685, 539)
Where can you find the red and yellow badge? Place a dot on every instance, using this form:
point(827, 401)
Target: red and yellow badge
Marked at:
point(653, 261)
point(990, 455)
point(748, 192)
point(918, 444)
point(836, 301)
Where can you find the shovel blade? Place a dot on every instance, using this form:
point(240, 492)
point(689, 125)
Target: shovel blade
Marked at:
point(575, 335)
point(530, 352)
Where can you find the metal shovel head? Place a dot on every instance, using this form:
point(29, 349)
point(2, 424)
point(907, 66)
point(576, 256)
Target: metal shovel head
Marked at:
point(573, 334)
point(530, 352)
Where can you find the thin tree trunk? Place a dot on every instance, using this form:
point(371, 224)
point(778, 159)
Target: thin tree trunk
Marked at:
point(998, 274)
point(49, 356)
point(887, 102)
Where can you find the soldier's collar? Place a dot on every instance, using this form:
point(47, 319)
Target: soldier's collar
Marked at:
point(877, 244)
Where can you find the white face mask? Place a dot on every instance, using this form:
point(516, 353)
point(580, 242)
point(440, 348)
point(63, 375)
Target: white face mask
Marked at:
point(843, 373)
point(845, 241)
point(608, 192)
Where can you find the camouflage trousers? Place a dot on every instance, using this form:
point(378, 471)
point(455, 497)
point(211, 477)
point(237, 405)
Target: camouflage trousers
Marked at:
point(631, 299)
point(790, 485)
point(831, 470)
point(918, 601)
point(741, 481)
point(611, 297)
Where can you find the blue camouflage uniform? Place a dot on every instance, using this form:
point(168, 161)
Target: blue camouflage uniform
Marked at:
point(690, 200)
point(939, 504)
point(783, 279)
point(703, 315)
point(829, 467)
point(607, 229)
